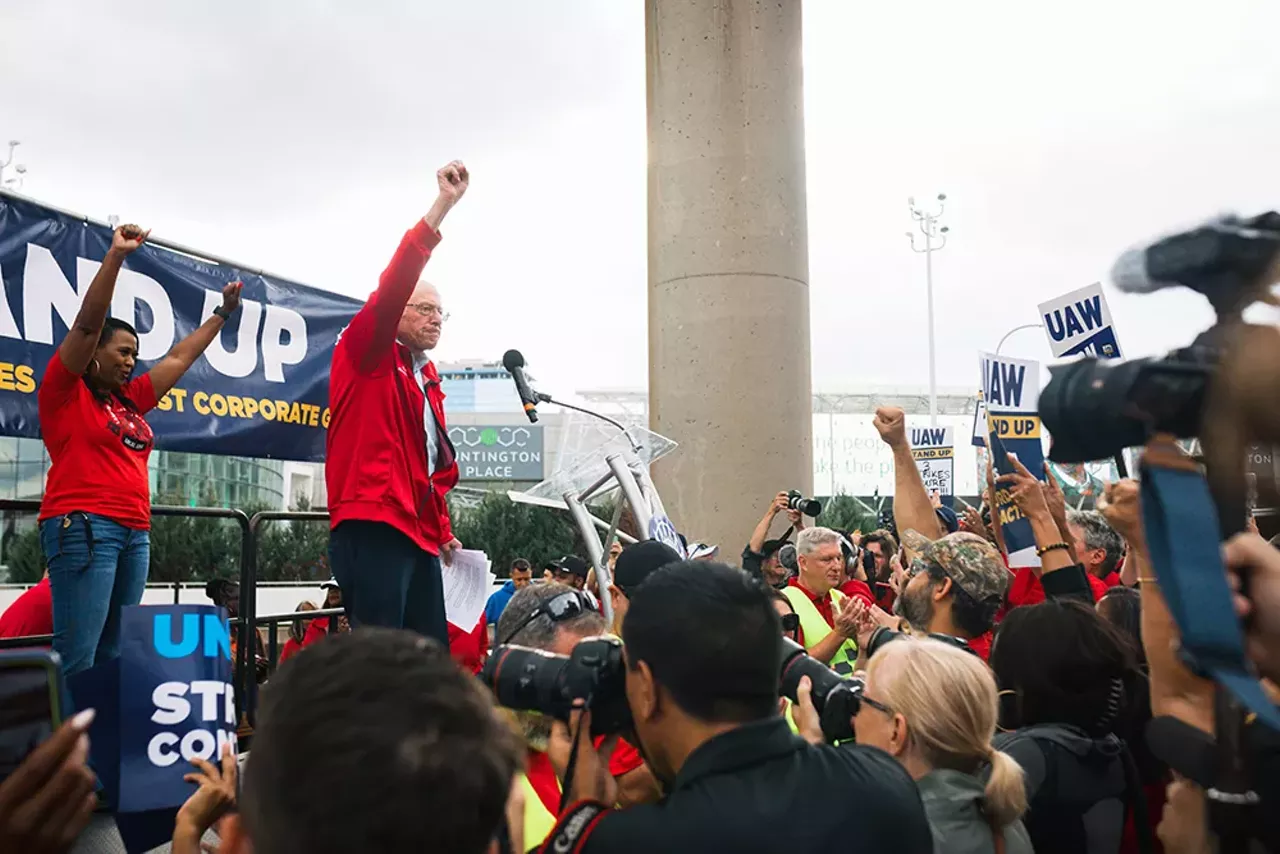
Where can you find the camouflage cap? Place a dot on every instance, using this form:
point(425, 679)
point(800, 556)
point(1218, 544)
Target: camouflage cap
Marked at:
point(967, 559)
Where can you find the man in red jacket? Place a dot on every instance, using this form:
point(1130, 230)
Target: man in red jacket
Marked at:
point(389, 460)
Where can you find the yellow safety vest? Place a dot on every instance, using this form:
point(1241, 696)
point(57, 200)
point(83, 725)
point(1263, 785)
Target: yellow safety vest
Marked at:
point(538, 822)
point(816, 628)
point(790, 717)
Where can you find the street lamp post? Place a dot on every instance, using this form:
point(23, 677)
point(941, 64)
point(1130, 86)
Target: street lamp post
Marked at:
point(1016, 329)
point(935, 238)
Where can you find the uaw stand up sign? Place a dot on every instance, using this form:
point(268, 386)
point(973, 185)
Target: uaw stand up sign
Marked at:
point(934, 451)
point(166, 700)
point(1011, 389)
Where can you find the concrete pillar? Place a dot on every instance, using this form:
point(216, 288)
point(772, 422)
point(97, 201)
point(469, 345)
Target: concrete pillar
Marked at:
point(729, 373)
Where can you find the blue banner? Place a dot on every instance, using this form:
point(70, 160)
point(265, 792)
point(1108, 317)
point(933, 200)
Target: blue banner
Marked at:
point(260, 390)
point(1011, 390)
point(176, 700)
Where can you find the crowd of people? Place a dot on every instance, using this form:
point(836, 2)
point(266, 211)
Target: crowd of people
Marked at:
point(994, 709)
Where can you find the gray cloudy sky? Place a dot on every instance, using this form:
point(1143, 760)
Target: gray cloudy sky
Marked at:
point(303, 138)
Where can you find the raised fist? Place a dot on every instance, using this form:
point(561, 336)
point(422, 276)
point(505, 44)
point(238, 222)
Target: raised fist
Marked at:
point(891, 423)
point(453, 180)
point(127, 238)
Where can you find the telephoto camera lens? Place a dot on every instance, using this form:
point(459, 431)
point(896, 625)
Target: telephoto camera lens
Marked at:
point(532, 680)
point(810, 507)
point(835, 698)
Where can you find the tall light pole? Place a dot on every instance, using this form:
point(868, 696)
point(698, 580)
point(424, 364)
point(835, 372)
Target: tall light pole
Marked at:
point(935, 239)
point(1016, 329)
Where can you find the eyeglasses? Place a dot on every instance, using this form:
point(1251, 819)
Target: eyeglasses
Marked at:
point(564, 606)
point(426, 309)
point(876, 704)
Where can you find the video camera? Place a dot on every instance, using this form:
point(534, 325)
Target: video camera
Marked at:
point(1219, 390)
point(527, 679)
point(1095, 408)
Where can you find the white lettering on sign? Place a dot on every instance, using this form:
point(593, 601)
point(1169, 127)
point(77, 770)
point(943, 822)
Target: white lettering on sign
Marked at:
point(1010, 385)
point(1080, 322)
point(47, 291)
point(205, 741)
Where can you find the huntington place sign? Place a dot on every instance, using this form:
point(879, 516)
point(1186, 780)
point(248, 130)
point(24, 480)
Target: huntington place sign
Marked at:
point(498, 452)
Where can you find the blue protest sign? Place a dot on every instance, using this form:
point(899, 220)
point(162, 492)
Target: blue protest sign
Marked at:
point(176, 700)
point(260, 390)
point(1079, 323)
point(1011, 389)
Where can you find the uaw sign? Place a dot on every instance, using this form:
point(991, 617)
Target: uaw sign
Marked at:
point(499, 451)
point(1011, 389)
point(1079, 323)
point(934, 451)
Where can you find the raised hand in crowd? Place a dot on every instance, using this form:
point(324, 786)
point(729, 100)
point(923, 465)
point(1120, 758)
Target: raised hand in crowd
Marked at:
point(1028, 495)
point(452, 179)
point(231, 296)
point(912, 507)
point(1121, 505)
point(127, 238)
point(1254, 564)
point(891, 423)
point(215, 797)
point(898, 574)
point(973, 523)
point(847, 616)
point(1057, 503)
point(49, 799)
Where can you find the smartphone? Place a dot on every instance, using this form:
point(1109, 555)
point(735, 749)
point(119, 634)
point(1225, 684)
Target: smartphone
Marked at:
point(31, 703)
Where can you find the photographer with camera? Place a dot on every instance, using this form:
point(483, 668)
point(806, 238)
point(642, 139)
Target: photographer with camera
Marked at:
point(762, 556)
point(701, 667)
point(828, 625)
point(553, 618)
point(933, 707)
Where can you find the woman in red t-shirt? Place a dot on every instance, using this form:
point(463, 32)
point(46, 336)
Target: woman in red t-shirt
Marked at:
point(96, 514)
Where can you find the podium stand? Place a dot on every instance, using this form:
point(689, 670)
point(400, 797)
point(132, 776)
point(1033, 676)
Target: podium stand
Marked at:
point(594, 461)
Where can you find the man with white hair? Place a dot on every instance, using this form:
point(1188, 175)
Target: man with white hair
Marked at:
point(828, 625)
point(389, 460)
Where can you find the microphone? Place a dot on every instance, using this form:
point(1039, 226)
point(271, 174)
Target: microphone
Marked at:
point(513, 361)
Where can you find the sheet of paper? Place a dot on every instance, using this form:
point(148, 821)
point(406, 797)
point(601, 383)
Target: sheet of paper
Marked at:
point(467, 585)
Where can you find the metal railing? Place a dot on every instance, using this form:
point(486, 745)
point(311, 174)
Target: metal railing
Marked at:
point(246, 685)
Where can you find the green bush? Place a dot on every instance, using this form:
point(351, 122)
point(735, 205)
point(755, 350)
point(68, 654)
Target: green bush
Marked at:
point(24, 557)
point(505, 530)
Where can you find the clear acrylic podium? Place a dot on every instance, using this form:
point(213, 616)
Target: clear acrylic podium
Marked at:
point(595, 459)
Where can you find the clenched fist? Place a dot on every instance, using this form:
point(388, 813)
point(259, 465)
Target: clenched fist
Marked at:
point(453, 180)
point(891, 423)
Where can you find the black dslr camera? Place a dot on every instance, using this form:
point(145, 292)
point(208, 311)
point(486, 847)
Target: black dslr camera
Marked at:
point(532, 680)
point(835, 698)
point(810, 507)
point(1094, 408)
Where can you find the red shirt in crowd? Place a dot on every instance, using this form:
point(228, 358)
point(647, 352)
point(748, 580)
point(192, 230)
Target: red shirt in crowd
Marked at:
point(982, 645)
point(1026, 588)
point(542, 775)
point(470, 649)
point(30, 614)
point(855, 589)
point(98, 449)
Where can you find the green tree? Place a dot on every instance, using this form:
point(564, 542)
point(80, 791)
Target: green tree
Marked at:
point(296, 550)
point(845, 513)
point(184, 548)
point(24, 557)
point(505, 530)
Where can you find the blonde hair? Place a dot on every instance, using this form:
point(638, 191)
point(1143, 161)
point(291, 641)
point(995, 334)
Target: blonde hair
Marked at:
point(948, 697)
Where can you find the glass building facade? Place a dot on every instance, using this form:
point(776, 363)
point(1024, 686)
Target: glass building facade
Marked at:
point(177, 478)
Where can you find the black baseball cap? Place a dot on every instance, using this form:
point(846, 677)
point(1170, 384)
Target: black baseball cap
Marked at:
point(771, 547)
point(638, 561)
point(571, 564)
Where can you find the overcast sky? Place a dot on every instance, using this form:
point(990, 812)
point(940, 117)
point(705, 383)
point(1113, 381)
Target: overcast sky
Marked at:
point(303, 138)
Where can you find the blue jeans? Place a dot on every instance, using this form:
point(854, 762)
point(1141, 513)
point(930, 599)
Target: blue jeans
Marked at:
point(387, 580)
point(96, 567)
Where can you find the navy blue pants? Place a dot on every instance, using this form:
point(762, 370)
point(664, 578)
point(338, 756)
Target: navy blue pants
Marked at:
point(387, 580)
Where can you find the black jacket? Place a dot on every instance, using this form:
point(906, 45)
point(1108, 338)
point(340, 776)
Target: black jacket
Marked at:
point(759, 788)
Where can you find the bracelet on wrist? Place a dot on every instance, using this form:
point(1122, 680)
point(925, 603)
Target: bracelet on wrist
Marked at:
point(222, 312)
point(1059, 546)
